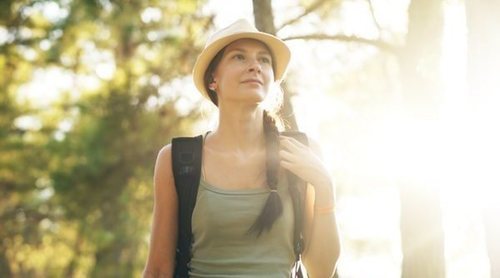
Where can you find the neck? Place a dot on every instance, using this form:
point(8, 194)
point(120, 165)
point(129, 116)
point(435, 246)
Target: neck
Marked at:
point(240, 128)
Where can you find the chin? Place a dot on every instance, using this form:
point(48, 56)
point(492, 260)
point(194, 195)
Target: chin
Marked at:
point(257, 99)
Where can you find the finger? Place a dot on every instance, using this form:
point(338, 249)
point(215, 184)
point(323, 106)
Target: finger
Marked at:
point(288, 156)
point(287, 138)
point(291, 143)
point(295, 142)
point(286, 165)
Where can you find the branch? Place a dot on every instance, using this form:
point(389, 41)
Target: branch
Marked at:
point(307, 11)
point(377, 43)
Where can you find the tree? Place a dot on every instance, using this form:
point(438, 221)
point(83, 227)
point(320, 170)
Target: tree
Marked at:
point(23, 157)
point(75, 189)
point(421, 222)
point(264, 21)
point(483, 94)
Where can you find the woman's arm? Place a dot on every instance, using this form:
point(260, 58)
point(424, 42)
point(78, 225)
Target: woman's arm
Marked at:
point(321, 239)
point(161, 258)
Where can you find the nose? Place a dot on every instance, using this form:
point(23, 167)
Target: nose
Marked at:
point(254, 65)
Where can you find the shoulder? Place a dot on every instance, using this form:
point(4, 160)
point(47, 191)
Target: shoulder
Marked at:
point(165, 152)
point(163, 173)
point(164, 156)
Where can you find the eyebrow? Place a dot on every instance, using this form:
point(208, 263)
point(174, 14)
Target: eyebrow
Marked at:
point(243, 50)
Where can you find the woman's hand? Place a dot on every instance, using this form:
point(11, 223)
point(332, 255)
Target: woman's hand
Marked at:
point(302, 161)
point(321, 239)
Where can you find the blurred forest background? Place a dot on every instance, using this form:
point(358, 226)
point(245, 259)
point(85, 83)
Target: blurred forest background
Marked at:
point(403, 95)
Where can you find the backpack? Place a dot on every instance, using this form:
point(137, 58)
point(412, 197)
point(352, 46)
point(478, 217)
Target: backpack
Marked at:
point(186, 164)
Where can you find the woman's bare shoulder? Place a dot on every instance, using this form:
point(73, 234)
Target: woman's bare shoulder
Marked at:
point(163, 175)
point(165, 153)
point(166, 149)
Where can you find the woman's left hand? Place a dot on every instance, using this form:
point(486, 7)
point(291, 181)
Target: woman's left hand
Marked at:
point(302, 161)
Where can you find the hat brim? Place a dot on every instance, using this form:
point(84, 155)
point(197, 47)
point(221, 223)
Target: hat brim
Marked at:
point(279, 51)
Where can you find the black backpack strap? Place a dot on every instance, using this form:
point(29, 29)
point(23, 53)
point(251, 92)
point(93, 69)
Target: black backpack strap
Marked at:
point(298, 194)
point(186, 166)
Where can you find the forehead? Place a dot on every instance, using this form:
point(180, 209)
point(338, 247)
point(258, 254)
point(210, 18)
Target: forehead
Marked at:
point(248, 44)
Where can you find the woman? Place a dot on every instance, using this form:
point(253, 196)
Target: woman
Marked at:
point(243, 219)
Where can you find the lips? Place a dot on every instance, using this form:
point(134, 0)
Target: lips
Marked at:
point(252, 80)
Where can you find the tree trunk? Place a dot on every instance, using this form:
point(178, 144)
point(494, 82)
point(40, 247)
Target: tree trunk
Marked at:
point(263, 14)
point(116, 241)
point(421, 223)
point(5, 270)
point(483, 25)
point(264, 21)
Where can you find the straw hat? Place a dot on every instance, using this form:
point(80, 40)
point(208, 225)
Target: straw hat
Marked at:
point(241, 29)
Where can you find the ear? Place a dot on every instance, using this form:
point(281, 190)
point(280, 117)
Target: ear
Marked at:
point(212, 85)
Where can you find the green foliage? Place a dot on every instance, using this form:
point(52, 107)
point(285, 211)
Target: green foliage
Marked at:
point(76, 171)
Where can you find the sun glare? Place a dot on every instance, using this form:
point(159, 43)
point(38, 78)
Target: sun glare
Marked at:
point(469, 137)
point(455, 153)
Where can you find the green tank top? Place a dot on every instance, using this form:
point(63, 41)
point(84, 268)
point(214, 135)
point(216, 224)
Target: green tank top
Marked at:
point(221, 245)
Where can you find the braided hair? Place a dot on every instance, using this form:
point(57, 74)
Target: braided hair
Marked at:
point(273, 208)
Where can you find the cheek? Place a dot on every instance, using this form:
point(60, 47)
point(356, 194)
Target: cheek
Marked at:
point(224, 77)
point(269, 76)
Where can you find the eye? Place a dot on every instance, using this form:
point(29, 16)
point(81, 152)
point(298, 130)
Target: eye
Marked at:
point(265, 60)
point(239, 57)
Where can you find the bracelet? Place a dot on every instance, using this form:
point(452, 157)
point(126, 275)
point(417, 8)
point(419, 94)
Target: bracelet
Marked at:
point(325, 209)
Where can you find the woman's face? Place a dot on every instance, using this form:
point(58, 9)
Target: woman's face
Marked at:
point(245, 72)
